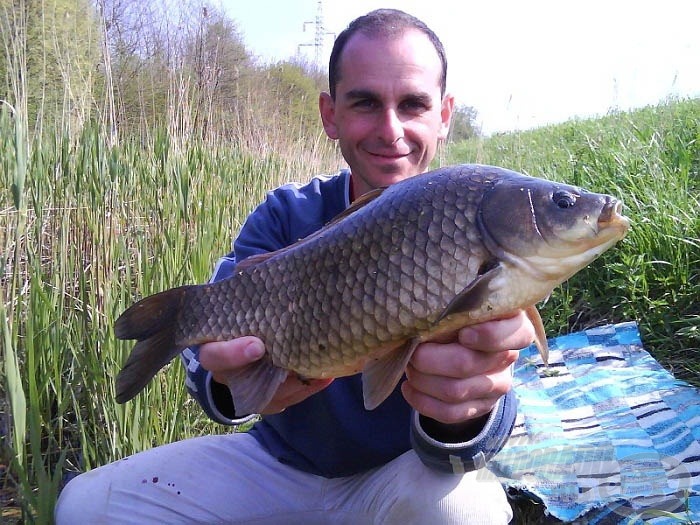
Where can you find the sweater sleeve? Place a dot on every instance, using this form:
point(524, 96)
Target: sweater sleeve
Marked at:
point(468, 455)
point(214, 398)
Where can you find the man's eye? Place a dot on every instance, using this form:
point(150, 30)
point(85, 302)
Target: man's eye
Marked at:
point(413, 105)
point(365, 104)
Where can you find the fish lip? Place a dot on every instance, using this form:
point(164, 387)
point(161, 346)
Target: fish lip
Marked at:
point(611, 215)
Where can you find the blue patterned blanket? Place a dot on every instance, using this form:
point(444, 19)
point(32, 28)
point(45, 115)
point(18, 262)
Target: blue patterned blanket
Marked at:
point(605, 435)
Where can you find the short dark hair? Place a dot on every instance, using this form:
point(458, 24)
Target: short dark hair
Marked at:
point(381, 23)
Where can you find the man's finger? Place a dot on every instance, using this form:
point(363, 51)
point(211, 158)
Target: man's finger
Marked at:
point(227, 355)
point(511, 333)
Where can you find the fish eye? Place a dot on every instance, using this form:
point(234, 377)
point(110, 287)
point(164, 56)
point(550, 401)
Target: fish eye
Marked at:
point(564, 199)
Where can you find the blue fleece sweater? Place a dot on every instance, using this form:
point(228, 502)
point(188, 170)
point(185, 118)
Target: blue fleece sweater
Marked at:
point(330, 433)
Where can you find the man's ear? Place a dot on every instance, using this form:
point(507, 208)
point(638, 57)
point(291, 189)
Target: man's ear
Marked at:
point(448, 104)
point(326, 107)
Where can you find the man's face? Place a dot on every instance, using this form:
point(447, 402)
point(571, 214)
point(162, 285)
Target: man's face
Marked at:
point(388, 114)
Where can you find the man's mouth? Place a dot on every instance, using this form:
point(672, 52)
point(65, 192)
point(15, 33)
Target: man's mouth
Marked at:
point(389, 155)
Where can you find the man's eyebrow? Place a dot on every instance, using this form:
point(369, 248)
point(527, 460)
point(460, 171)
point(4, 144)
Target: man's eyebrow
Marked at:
point(419, 97)
point(355, 94)
point(361, 94)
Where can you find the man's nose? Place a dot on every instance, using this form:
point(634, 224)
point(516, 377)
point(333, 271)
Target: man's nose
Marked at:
point(390, 126)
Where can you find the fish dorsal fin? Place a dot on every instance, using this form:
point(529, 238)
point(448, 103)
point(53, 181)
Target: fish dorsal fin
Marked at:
point(380, 376)
point(358, 203)
point(256, 259)
point(540, 336)
point(473, 296)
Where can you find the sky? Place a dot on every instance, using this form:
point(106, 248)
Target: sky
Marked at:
point(520, 63)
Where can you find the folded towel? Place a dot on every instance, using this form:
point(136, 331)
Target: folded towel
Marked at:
point(605, 432)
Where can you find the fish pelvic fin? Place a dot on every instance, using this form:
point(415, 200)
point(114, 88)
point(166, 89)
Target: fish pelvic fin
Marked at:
point(153, 323)
point(380, 376)
point(253, 386)
point(540, 336)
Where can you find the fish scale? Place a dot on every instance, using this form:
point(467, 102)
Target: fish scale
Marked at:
point(405, 264)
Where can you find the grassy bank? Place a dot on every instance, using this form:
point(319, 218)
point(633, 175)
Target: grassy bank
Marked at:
point(85, 227)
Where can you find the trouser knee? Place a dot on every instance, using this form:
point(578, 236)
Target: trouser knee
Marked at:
point(474, 498)
point(78, 502)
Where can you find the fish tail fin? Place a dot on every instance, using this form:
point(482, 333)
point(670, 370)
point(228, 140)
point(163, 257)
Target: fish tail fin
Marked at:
point(153, 322)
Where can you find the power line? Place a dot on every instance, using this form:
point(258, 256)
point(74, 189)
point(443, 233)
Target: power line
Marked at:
point(320, 32)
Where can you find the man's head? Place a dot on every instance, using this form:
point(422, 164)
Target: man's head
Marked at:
point(382, 23)
point(387, 107)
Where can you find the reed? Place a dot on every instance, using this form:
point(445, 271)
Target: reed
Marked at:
point(104, 226)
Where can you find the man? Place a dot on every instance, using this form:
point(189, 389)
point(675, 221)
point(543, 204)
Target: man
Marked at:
point(318, 456)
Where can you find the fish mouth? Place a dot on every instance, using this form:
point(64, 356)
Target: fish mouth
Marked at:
point(611, 216)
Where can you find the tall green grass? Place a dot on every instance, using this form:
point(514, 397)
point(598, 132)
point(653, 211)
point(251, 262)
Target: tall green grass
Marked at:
point(651, 159)
point(101, 227)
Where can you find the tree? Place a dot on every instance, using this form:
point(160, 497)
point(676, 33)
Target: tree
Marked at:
point(178, 65)
point(464, 125)
point(140, 54)
point(217, 59)
point(58, 43)
point(294, 95)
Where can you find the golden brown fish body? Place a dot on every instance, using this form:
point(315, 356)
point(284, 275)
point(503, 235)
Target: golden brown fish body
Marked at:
point(426, 256)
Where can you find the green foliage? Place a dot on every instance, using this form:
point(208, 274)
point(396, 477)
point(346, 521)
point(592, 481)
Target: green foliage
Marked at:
point(181, 65)
point(651, 159)
point(59, 41)
point(216, 58)
point(463, 125)
point(295, 96)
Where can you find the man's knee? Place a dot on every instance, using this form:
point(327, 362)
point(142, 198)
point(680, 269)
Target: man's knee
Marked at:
point(75, 503)
point(428, 496)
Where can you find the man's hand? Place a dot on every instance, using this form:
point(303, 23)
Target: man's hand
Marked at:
point(457, 381)
point(224, 356)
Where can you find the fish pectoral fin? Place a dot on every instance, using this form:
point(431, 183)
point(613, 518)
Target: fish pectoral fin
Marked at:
point(540, 336)
point(473, 296)
point(380, 376)
point(253, 386)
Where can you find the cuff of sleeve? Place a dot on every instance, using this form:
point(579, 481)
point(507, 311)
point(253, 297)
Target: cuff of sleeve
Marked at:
point(467, 456)
point(217, 412)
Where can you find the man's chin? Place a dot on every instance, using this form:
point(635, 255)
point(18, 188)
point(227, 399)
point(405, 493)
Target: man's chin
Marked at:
point(387, 178)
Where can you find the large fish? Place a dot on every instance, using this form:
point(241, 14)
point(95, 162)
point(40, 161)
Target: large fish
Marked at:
point(406, 264)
